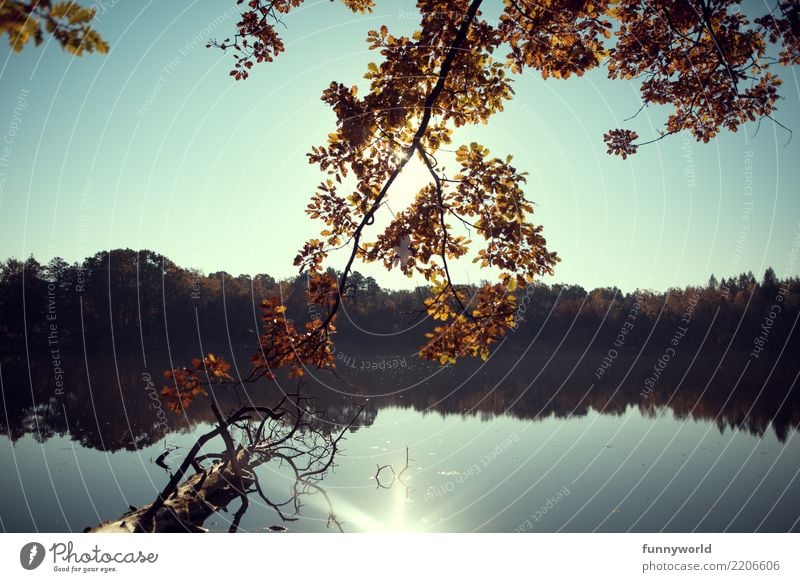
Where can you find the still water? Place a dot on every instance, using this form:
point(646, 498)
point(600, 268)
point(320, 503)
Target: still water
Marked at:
point(522, 443)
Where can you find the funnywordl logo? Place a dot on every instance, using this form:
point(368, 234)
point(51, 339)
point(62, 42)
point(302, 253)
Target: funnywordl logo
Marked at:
point(31, 555)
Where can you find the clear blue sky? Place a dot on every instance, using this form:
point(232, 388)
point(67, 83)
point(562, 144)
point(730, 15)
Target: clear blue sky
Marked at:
point(155, 146)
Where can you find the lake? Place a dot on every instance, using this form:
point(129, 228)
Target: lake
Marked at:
point(528, 441)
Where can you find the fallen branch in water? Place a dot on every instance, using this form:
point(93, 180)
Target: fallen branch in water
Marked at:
point(290, 434)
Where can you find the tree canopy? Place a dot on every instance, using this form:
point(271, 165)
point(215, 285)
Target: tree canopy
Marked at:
point(67, 22)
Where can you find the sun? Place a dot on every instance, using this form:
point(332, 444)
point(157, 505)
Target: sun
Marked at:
point(398, 520)
point(413, 177)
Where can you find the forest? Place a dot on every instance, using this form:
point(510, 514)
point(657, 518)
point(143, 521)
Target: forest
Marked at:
point(602, 349)
point(138, 299)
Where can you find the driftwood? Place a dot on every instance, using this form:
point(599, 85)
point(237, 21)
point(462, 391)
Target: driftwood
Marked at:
point(289, 434)
point(190, 505)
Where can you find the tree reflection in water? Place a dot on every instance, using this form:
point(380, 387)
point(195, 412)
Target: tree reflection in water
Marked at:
point(109, 409)
point(106, 407)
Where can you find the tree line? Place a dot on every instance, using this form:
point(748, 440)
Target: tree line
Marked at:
point(143, 298)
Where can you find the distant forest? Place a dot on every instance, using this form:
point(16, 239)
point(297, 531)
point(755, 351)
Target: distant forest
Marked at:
point(134, 298)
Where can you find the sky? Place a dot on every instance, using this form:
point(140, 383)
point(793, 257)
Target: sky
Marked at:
point(154, 146)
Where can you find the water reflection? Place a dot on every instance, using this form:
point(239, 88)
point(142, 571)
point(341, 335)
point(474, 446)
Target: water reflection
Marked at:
point(432, 434)
point(110, 402)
